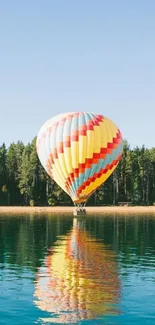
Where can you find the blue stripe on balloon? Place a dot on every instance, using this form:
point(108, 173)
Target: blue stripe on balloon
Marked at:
point(75, 123)
point(67, 128)
point(88, 118)
point(59, 133)
point(52, 140)
point(81, 119)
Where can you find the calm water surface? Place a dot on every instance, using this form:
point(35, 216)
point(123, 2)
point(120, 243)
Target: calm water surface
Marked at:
point(90, 270)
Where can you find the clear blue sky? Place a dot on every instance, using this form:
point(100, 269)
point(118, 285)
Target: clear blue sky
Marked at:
point(66, 55)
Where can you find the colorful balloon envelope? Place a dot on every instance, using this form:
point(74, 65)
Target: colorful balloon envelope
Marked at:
point(79, 150)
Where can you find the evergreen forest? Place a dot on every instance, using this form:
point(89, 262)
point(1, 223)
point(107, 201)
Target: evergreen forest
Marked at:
point(23, 181)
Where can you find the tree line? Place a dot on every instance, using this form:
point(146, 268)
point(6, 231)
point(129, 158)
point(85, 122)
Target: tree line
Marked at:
point(23, 180)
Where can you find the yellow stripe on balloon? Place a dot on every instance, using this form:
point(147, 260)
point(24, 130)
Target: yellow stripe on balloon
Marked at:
point(97, 139)
point(63, 165)
point(83, 148)
point(68, 159)
point(75, 154)
point(110, 129)
point(57, 176)
point(90, 144)
point(57, 166)
point(113, 128)
point(103, 131)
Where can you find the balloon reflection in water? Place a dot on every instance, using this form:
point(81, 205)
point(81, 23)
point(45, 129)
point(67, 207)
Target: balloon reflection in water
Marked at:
point(79, 281)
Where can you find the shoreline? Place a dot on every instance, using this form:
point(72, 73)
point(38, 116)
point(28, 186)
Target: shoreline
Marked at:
point(69, 209)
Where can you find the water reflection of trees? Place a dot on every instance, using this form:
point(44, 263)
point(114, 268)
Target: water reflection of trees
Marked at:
point(132, 237)
point(25, 240)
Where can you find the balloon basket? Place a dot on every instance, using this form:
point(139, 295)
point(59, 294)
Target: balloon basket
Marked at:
point(79, 212)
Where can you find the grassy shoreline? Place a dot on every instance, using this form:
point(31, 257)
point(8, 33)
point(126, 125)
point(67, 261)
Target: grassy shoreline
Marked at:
point(67, 209)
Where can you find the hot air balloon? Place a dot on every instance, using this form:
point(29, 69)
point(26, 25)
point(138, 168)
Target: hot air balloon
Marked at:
point(79, 150)
point(79, 279)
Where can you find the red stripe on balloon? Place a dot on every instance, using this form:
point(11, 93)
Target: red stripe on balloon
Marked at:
point(98, 175)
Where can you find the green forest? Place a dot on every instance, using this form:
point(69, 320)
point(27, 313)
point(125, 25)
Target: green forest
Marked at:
point(23, 181)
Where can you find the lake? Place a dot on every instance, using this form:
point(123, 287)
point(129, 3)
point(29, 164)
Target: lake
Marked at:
point(86, 270)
